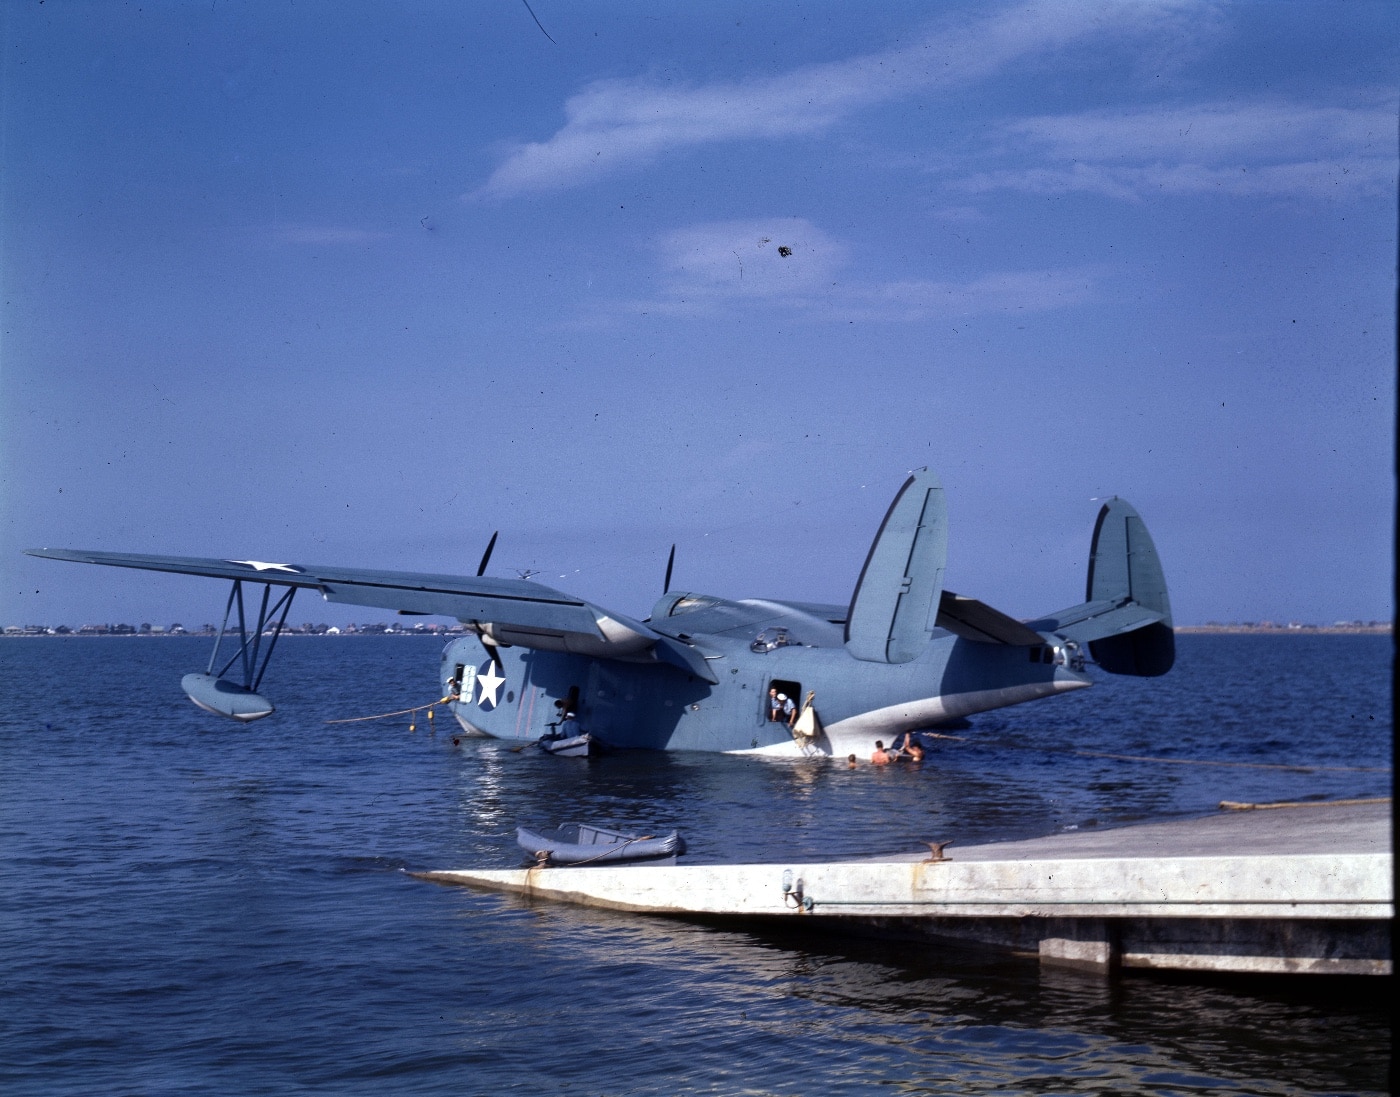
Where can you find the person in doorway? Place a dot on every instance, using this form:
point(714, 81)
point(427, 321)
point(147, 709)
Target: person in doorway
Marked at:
point(781, 710)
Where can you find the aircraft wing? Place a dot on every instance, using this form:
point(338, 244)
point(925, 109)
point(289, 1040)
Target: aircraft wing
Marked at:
point(468, 599)
point(504, 611)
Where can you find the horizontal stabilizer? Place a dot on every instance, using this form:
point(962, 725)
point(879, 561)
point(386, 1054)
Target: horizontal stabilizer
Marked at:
point(1091, 621)
point(974, 620)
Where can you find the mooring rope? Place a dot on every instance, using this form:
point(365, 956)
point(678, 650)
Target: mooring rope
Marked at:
point(1297, 768)
point(399, 712)
point(542, 855)
point(1300, 767)
point(1237, 805)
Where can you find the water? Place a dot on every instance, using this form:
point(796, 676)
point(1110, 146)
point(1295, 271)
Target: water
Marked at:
point(193, 906)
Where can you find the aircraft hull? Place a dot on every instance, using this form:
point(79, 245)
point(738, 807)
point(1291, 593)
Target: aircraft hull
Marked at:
point(512, 694)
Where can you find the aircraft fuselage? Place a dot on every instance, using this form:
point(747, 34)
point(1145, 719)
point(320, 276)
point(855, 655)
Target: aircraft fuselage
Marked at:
point(513, 694)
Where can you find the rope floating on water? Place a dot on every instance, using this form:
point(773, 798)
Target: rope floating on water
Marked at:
point(400, 712)
point(542, 855)
point(1300, 768)
point(1296, 768)
point(1237, 805)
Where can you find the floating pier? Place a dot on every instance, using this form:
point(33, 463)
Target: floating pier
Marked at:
point(1305, 889)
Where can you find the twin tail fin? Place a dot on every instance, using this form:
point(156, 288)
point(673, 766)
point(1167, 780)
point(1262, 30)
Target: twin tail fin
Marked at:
point(1126, 616)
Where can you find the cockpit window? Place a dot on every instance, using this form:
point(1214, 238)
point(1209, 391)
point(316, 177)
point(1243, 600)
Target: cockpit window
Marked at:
point(770, 639)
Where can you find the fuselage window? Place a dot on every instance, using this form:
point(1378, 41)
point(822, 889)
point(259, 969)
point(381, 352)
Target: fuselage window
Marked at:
point(781, 703)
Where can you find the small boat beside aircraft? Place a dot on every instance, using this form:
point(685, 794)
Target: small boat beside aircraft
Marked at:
point(581, 844)
point(565, 738)
point(573, 746)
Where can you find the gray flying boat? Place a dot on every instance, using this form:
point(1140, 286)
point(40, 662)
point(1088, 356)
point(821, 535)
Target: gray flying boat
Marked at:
point(715, 674)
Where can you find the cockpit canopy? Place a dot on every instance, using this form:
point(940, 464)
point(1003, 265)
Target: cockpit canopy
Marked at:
point(771, 639)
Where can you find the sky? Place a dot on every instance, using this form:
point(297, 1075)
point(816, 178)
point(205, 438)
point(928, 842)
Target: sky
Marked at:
point(359, 284)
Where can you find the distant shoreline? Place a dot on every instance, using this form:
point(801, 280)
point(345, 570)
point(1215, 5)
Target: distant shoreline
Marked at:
point(444, 632)
point(441, 633)
point(1290, 630)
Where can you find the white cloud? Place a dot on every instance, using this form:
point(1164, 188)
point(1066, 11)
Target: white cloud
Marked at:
point(717, 268)
point(1266, 148)
point(1005, 291)
point(1211, 131)
point(781, 258)
point(612, 124)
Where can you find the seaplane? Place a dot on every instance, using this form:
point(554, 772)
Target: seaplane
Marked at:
point(709, 673)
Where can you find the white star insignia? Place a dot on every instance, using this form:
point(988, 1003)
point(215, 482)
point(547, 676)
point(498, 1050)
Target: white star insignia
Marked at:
point(491, 682)
point(263, 565)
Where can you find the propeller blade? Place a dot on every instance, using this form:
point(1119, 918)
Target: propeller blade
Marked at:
point(670, 563)
point(486, 556)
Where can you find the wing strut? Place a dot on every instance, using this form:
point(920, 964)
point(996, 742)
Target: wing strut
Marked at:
point(240, 701)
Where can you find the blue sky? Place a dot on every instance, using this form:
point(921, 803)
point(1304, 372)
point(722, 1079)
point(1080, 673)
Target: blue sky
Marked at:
point(358, 284)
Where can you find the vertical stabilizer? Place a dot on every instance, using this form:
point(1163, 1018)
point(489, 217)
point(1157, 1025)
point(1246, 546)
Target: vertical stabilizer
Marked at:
point(896, 599)
point(1124, 567)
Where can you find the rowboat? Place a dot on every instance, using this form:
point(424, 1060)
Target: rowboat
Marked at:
point(576, 746)
point(580, 844)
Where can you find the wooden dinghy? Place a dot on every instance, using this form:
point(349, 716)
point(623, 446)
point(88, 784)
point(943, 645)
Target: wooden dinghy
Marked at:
point(580, 844)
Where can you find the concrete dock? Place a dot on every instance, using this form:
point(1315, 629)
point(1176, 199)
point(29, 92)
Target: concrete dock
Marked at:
point(1303, 889)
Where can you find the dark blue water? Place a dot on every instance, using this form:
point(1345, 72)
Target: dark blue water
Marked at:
point(193, 906)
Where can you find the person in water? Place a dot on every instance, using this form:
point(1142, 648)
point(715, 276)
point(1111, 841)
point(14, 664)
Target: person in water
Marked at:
point(881, 757)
